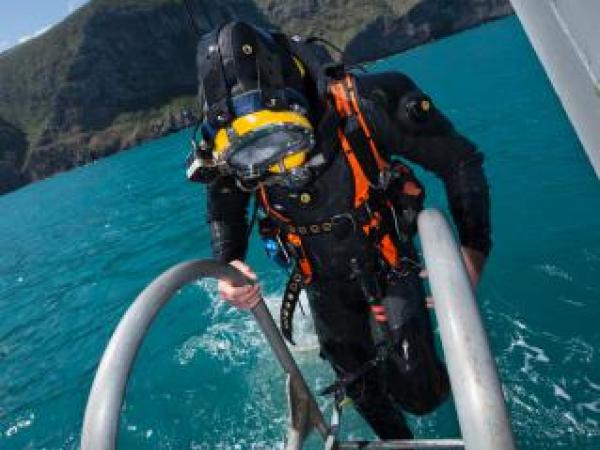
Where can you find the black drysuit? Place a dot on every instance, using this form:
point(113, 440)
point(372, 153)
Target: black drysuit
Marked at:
point(413, 380)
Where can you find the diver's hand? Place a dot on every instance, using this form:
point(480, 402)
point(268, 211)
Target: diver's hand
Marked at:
point(244, 297)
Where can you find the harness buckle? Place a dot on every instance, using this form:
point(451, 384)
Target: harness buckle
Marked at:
point(385, 176)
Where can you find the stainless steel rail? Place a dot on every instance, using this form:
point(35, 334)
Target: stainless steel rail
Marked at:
point(473, 375)
point(101, 420)
point(404, 444)
point(304, 411)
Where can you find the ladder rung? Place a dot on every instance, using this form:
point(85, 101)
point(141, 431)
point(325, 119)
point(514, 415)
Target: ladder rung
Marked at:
point(403, 444)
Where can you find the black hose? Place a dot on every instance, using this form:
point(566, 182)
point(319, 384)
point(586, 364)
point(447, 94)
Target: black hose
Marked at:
point(342, 53)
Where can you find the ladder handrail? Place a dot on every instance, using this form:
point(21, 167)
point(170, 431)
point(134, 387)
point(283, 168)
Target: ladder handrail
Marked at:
point(480, 405)
point(102, 413)
point(410, 444)
point(473, 375)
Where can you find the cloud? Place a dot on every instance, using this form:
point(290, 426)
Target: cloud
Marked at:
point(39, 32)
point(4, 45)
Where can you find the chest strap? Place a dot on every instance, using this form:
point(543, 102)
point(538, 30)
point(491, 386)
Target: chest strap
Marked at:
point(339, 225)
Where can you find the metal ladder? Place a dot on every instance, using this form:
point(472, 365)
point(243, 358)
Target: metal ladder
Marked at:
point(474, 379)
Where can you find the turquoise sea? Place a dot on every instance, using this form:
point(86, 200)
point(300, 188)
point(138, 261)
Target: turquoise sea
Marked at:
point(76, 249)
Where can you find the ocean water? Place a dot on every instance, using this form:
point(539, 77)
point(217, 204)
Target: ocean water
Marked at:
point(76, 249)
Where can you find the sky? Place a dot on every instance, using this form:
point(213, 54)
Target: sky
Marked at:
point(20, 20)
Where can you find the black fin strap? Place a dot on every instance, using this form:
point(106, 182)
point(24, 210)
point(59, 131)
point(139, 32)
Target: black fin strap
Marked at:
point(288, 305)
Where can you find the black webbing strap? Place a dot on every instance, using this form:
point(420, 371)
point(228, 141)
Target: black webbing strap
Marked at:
point(356, 217)
point(288, 306)
point(358, 138)
point(210, 66)
point(360, 146)
point(269, 69)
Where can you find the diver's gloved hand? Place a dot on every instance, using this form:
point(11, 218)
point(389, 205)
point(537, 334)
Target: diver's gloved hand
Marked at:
point(244, 297)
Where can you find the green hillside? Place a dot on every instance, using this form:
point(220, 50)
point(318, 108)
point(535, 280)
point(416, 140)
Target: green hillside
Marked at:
point(117, 72)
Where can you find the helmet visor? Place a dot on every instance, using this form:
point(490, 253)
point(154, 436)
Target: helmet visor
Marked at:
point(267, 147)
point(263, 142)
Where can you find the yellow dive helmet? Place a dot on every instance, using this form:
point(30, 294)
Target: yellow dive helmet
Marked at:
point(260, 142)
point(264, 141)
point(251, 85)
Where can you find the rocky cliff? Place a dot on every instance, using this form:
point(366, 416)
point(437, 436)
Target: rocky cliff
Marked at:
point(116, 73)
point(13, 147)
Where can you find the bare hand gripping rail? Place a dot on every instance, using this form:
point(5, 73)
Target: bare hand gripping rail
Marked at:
point(101, 420)
point(473, 375)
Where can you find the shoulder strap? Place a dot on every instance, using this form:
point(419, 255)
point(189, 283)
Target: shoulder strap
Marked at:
point(345, 98)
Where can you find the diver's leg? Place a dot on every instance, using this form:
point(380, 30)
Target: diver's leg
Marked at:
point(341, 320)
point(414, 376)
point(380, 411)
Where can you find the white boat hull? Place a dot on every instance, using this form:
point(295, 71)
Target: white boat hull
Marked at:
point(566, 37)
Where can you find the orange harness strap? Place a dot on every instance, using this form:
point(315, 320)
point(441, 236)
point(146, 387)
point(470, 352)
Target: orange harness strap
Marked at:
point(361, 182)
point(345, 100)
point(346, 103)
point(382, 164)
point(292, 238)
point(264, 198)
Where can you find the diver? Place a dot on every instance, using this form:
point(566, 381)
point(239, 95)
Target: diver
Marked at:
point(323, 150)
